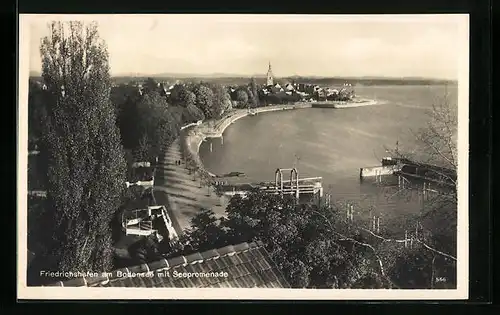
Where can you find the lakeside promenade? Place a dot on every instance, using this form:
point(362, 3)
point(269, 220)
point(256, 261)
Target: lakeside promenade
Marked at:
point(185, 197)
point(175, 185)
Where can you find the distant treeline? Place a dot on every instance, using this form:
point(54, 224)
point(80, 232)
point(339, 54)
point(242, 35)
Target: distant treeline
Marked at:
point(371, 81)
point(310, 80)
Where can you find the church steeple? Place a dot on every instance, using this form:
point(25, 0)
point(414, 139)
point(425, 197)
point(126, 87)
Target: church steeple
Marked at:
point(269, 75)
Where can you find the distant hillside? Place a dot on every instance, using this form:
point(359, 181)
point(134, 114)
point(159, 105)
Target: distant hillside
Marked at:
point(371, 81)
point(323, 81)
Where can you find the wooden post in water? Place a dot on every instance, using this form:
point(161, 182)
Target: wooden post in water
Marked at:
point(429, 190)
point(222, 140)
point(373, 224)
point(352, 213)
point(424, 191)
point(406, 238)
point(423, 201)
point(378, 225)
point(211, 147)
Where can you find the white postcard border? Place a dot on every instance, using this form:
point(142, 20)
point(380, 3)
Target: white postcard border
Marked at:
point(58, 293)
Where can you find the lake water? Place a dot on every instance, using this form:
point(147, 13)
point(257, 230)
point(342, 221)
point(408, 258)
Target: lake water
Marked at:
point(334, 144)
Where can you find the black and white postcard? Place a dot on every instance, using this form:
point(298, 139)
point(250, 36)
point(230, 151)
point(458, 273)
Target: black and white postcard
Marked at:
point(243, 157)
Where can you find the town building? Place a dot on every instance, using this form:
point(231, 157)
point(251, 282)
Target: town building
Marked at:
point(270, 78)
point(289, 87)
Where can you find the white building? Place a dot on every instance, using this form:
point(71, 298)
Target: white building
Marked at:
point(141, 221)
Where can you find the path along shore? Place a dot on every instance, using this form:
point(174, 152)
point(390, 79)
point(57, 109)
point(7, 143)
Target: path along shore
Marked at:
point(185, 192)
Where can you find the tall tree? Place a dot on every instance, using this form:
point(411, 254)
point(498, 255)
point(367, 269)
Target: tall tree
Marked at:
point(181, 96)
point(125, 99)
point(192, 114)
point(188, 98)
point(242, 98)
point(204, 100)
point(221, 100)
point(80, 145)
point(255, 93)
point(157, 121)
point(151, 86)
point(436, 145)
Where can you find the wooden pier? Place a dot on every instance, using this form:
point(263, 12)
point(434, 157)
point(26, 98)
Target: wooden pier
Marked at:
point(294, 186)
point(411, 171)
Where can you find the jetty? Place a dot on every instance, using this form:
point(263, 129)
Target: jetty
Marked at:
point(410, 171)
point(296, 186)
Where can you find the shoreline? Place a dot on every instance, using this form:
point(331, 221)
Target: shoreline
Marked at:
point(187, 146)
point(193, 136)
point(340, 104)
point(187, 203)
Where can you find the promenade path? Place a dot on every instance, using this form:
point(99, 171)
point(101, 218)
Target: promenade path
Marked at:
point(186, 197)
point(176, 187)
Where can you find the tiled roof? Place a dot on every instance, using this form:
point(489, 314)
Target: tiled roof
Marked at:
point(246, 265)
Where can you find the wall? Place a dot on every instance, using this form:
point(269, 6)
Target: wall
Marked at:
point(139, 232)
point(146, 184)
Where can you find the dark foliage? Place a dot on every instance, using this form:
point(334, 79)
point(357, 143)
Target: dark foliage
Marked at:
point(81, 151)
point(296, 237)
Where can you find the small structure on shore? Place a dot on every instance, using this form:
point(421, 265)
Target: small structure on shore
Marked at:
point(141, 174)
point(148, 221)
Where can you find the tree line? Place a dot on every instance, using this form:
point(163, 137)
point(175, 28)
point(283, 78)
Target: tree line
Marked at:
point(150, 119)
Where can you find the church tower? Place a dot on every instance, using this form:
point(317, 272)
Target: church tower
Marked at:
point(269, 75)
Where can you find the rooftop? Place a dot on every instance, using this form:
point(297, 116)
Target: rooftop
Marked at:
point(246, 265)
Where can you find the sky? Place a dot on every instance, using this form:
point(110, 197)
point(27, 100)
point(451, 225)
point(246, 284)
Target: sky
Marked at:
point(383, 45)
